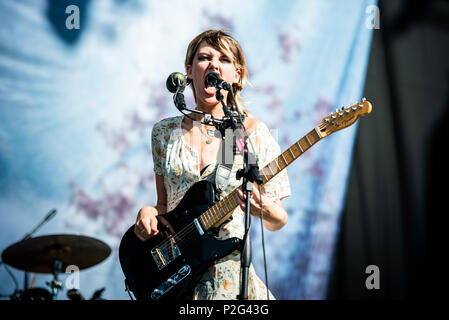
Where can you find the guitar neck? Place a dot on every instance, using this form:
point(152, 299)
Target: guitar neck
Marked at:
point(222, 210)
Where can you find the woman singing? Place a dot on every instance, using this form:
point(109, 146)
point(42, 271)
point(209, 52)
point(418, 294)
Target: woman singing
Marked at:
point(181, 160)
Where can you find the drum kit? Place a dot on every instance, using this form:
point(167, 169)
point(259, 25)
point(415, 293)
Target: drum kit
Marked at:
point(53, 254)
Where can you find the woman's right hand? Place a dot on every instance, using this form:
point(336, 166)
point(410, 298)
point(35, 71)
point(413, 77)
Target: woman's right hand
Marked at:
point(146, 223)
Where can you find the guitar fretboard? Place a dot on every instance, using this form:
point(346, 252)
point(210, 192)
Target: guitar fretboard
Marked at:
point(222, 210)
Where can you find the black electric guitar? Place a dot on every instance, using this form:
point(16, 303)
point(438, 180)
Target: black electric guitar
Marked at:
point(168, 267)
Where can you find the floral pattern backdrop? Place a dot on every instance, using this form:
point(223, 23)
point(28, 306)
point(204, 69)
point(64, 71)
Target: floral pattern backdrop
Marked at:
point(77, 107)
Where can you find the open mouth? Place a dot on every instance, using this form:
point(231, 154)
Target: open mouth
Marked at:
point(210, 90)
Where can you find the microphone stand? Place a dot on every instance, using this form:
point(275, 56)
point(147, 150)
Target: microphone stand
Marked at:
point(250, 174)
point(221, 125)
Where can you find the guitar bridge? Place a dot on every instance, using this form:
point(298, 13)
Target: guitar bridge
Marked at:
point(165, 252)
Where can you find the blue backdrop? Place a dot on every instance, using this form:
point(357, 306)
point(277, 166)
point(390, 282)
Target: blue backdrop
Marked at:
point(77, 107)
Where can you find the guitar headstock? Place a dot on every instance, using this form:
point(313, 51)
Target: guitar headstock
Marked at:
point(343, 118)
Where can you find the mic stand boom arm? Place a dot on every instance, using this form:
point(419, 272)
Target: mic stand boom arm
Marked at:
point(178, 99)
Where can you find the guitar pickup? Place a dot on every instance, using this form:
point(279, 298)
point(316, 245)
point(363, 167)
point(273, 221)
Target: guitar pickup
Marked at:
point(165, 252)
point(160, 256)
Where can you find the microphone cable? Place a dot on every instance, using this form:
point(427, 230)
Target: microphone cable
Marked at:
point(263, 242)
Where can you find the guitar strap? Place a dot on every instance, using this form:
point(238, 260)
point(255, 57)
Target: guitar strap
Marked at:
point(230, 146)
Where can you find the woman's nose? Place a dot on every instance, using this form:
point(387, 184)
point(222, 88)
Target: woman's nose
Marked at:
point(214, 64)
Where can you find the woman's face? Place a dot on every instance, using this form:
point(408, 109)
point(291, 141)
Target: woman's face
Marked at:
point(206, 60)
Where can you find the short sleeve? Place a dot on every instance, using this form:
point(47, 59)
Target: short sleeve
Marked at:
point(159, 148)
point(268, 149)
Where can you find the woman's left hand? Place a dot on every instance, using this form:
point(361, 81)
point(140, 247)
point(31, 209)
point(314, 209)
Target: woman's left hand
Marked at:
point(274, 215)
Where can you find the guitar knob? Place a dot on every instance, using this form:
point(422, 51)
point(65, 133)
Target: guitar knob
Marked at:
point(156, 294)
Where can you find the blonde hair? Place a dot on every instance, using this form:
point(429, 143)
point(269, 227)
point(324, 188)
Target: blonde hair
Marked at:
point(226, 44)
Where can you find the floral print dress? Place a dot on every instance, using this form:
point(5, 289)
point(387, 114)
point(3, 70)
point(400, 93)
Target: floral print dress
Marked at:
point(179, 164)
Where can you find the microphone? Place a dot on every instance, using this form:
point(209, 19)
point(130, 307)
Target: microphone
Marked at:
point(47, 217)
point(214, 79)
point(176, 81)
point(50, 214)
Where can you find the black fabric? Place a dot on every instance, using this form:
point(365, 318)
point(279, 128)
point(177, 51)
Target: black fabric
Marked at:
point(395, 199)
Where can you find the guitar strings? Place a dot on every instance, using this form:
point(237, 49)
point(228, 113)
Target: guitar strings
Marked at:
point(187, 230)
point(166, 243)
point(186, 234)
point(186, 237)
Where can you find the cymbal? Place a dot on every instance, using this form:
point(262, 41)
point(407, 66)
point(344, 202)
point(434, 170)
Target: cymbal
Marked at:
point(39, 254)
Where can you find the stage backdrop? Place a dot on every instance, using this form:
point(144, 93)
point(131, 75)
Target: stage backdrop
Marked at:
point(77, 107)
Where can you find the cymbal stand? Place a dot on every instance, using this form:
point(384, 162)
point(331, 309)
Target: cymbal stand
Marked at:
point(55, 284)
point(49, 215)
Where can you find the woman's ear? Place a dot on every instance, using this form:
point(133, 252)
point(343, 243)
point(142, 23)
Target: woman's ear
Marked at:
point(237, 76)
point(189, 71)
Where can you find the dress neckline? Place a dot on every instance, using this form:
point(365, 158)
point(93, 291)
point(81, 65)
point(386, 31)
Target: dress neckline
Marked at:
point(194, 152)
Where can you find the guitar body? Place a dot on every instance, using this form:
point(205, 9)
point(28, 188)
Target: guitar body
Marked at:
point(164, 268)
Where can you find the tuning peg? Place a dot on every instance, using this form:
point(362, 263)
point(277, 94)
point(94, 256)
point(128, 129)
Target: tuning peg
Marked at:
point(354, 108)
point(334, 117)
point(347, 110)
point(327, 120)
point(360, 105)
point(363, 99)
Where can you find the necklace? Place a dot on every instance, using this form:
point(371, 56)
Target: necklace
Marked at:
point(210, 133)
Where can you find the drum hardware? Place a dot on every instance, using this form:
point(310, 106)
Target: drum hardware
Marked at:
point(35, 294)
point(52, 254)
point(55, 284)
point(39, 254)
point(47, 218)
point(75, 295)
point(97, 294)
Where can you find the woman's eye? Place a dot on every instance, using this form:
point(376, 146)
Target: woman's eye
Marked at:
point(207, 58)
